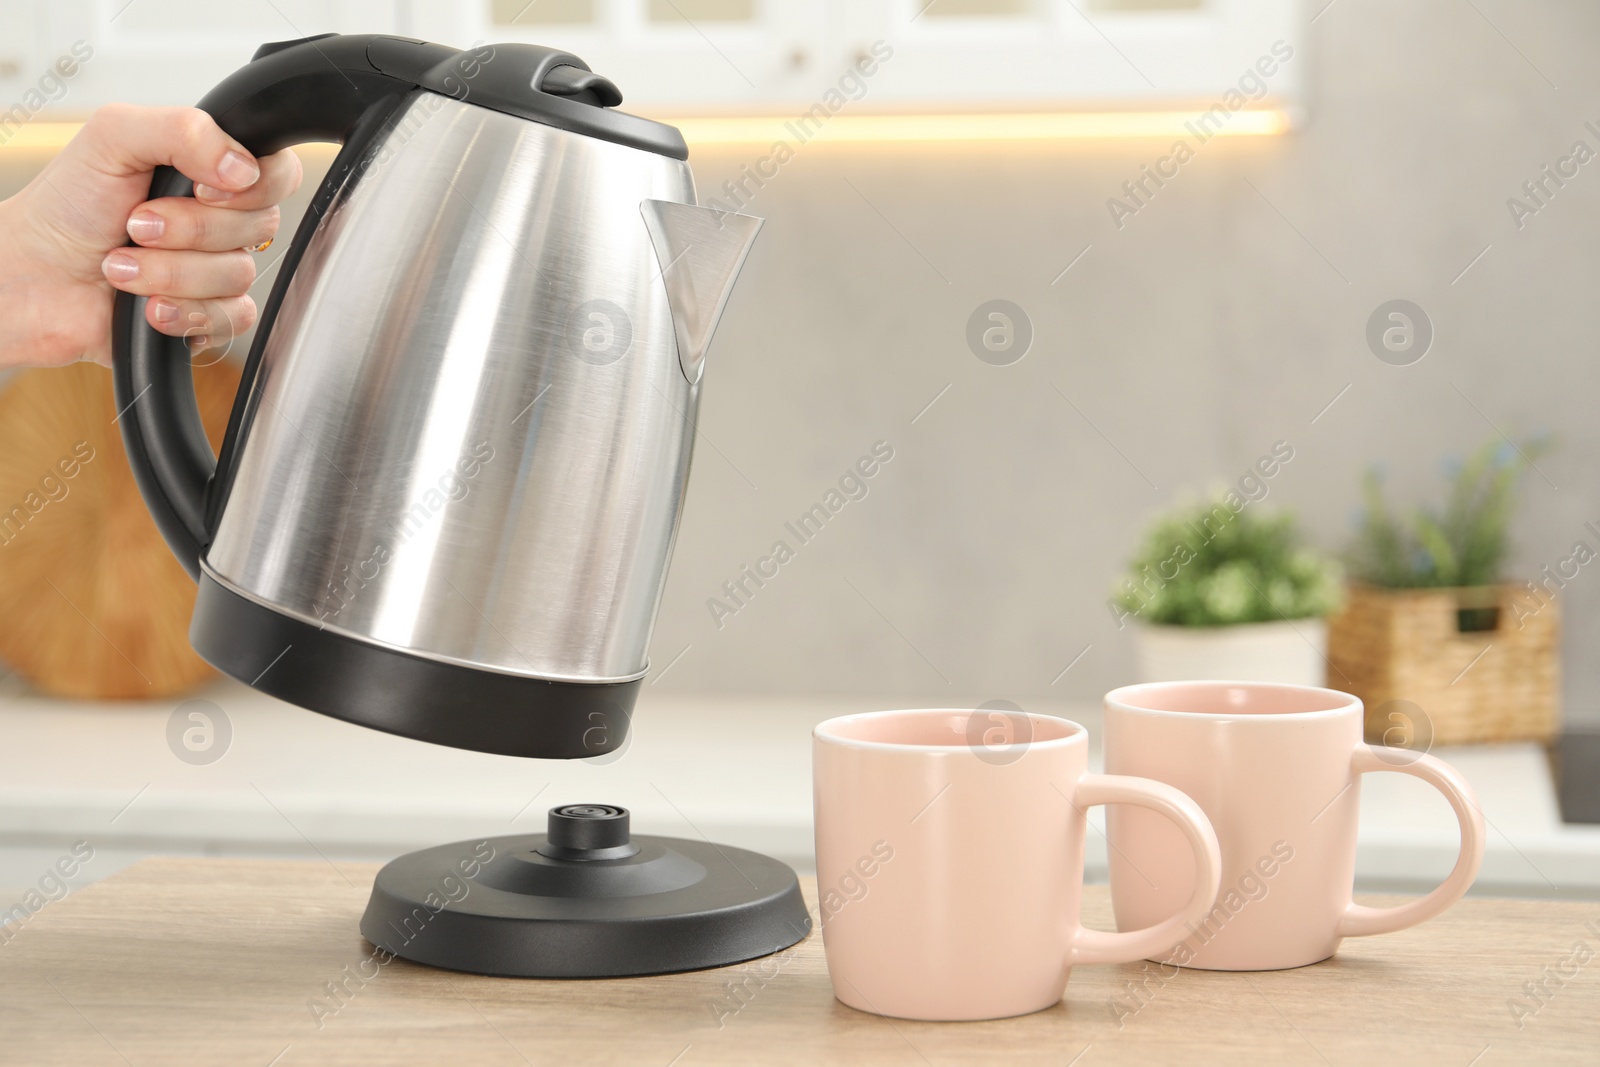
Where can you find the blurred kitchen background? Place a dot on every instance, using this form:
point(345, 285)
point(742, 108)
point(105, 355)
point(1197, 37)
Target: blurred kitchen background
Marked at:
point(1172, 324)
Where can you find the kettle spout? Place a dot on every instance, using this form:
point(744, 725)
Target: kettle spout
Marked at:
point(700, 251)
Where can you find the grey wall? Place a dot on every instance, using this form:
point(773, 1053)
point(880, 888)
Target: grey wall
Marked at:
point(1223, 317)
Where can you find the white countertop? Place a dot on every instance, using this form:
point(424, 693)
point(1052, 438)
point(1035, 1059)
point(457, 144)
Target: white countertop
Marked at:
point(735, 770)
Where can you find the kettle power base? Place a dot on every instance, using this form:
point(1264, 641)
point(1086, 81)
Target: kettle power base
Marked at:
point(584, 900)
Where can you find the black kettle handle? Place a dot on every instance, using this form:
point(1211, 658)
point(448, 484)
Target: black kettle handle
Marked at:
point(339, 88)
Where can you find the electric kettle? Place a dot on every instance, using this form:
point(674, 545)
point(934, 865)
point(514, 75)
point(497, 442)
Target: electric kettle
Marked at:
point(452, 478)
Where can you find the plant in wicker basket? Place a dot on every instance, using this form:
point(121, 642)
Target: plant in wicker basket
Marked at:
point(1438, 648)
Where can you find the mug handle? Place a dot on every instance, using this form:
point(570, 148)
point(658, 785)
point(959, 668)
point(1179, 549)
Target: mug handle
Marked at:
point(1103, 946)
point(1359, 920)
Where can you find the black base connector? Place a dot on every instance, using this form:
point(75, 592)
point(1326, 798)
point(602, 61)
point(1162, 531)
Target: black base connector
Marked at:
point(584, 900)
point(389, 690)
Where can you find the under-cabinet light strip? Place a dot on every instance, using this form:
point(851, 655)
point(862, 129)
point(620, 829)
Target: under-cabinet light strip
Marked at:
point(765, 130)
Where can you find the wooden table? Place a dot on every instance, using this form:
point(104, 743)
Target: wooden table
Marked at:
point(227, 962)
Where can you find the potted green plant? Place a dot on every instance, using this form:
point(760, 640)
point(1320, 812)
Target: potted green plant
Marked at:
point(1225, 589)
point(1429, 626)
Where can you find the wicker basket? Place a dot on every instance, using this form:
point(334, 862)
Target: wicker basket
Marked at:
point(1493, 684)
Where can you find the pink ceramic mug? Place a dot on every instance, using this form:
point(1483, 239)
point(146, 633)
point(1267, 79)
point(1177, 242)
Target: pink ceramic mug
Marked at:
point(1277, 769)
point(950, 860)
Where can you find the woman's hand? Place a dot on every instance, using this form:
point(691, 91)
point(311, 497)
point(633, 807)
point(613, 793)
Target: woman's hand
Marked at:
point(62, 238)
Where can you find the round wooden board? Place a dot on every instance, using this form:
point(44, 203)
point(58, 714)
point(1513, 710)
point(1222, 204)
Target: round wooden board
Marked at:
point(92, 603)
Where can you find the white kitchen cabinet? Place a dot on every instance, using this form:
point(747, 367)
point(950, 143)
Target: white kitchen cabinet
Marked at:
point(714, 56)
point(780, 55)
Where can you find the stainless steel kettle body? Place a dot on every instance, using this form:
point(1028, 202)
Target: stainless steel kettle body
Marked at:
point(449, 494)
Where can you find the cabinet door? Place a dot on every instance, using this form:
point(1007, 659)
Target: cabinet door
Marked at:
point(973, 54)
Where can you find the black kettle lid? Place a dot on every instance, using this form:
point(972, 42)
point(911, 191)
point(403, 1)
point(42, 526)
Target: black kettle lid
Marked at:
point(545, 85)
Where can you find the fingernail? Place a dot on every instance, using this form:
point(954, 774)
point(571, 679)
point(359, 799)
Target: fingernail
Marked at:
point(206, 192)
point(120, 267)
point(238, 170)
point(166, 310)
point(146, 226)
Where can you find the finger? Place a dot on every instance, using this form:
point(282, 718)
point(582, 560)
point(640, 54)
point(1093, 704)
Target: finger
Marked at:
point(179, 222)
point(219, 321)
point(183, 274)
point(123, 139)
point(280, 175)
